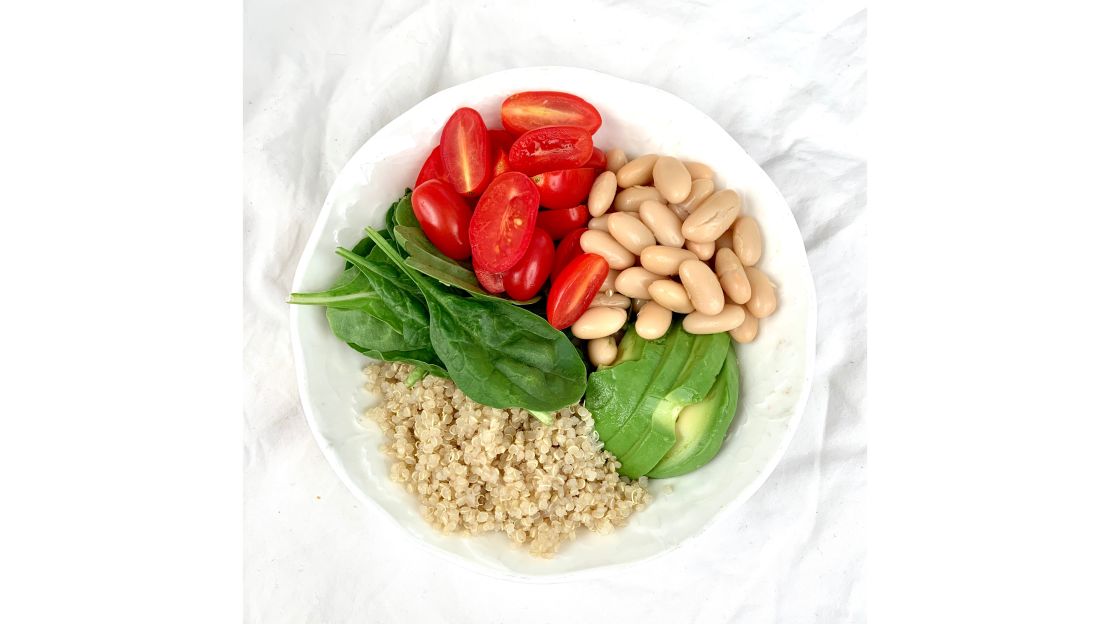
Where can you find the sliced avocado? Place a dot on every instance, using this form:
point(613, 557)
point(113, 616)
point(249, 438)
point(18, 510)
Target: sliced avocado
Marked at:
point(700, 370)
point(701, 427)
point(614, 392)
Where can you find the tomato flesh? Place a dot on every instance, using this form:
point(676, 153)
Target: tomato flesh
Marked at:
point(565, 188)
point(500, 142)
point(526, 278)
point(493, 283)
point(597, 159)
point(432, 169)
point(550, 149)
point(529, 110)
point(444, 216)
point(559, 223)
point(503, 222)
point(569, 248)
point(574, 288)
point(464, 146)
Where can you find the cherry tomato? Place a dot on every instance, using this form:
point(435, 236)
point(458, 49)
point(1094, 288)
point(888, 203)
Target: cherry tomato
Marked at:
point(529, 110)
point(432, 169)
point(549, 149)
point(565, 188)
point(574, 288)
point(503, 222)
point(493, 283)
point(559, 223)
point(569, 249)
point(500, 142)
point(524, 280)
point(597, 159)
point(502, 138)
point(445, 218)
point(464, 146)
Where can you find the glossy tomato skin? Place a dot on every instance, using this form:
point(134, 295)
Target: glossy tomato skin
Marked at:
point(493, 283)
point(525, 279)
point(597, 159)
point(503, 222)
point(529, 110)
point(464, 146)
point(500, 142)
point(574, 288)
point(559, 223)
point(565, 188)
point(550, 149)
point(432, 169)
point(445, 218)
point(569, 248)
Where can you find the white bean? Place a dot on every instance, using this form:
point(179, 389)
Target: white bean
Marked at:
point(712, 217)
point(633, 282)
point(615, 159)
point(652, 321)
point(729, 318)
point(734, 281)
point(664, 260)
point(637, 171)
point(610, 300)
point(599, 323)
point(747, 241)
point(671, 178)
point(764, 300)
point(604, 245)
point(602, 351)
point(663, 223)
point(747, 331)
point(630, 232)
point(671, 295)
point(702, 287)
point(703, 251)
point(602, 193)
point(629, 199)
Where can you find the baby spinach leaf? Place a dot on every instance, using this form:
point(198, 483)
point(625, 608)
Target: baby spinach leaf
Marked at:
point(401, 213)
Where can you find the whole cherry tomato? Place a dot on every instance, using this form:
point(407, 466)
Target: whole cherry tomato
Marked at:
point(445, 218)
point(493, 283)
point(564, 188)
point(569, 248)
point(549, 149)
point(503, 222)
point(526, 278)
point(574, 288)
point(529, 110)
point(559, 223)
point(597, 159)
point(433, 169)
point(464, 146)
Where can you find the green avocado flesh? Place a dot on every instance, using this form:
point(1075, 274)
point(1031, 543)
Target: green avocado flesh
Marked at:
point(701, 427)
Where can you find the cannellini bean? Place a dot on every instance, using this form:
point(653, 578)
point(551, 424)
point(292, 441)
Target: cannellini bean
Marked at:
point(702, 286)
point(610, 300)
point(734, 281)
point(633, 282)
point(604, 245)
point(747, 330)
point(600, 224)
point(664, 260)
point(629, 199)
point(630, 232)
point(610, 283)
point(637, 171)
point(602, 193)
point(703, 251)
point(698, 171)
point(747, 241)
point(671, 178)
point(764, 300)
point(724, 241)
point(699, 190)
point(652, 321)
point(615, 159)
point(728, 319)
point(599, 323)
point(712, 217)
point(671, 295)
point(638, 304)
point(663, 223)
point(602, 351)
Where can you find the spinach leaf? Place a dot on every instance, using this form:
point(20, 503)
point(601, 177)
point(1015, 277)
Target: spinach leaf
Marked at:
point(498, 354)
point(401, 213)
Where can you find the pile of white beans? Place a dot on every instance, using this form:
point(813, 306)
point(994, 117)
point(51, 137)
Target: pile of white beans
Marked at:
point(656, 218)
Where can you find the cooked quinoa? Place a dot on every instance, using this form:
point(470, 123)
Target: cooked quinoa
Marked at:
point(477, 469)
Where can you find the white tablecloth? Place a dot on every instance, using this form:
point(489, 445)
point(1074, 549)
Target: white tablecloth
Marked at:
point(786, 79)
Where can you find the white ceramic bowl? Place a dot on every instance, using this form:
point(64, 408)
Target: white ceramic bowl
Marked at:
point(776, 369)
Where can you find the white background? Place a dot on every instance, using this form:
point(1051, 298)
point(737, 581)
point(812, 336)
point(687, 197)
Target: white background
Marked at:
point(786, 80)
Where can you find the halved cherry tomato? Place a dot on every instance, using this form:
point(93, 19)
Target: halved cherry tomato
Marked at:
point(444, 216)
point(574, 288)
point(529, 110)
point(569, 248)
point(502, 138)
point(433, 169)
point(493, 283)
point(550, 149)
point(597, 159)
point(503, 222)
point(524, 280)
point(559, 223)
point(565, 188)
point(500, 142)
point(464, 146)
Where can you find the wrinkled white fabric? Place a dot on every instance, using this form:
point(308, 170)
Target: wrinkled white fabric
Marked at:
point(786, 79)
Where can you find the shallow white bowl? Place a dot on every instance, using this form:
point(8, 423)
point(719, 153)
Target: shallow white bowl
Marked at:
point(776, 369)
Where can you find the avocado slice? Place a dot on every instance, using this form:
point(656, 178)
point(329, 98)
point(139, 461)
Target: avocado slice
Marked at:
point(699, 372)
point(613, 393)
point(700, 429)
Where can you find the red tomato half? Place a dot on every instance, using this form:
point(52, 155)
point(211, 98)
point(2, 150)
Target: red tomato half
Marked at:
point(559, 223)
point(569, 249)
point(550, 149)
point(503, 222)
point(493, 283)
point(501, 138)
point(597, 159)
point(565, 188)
point(499, 144)
point(432, 169)
point(529, 110)
point(574, 288)
point(445, 218)
point(524, 280)
point(464, 146)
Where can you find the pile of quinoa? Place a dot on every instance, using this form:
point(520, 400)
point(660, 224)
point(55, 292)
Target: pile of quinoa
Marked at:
point(477, 469)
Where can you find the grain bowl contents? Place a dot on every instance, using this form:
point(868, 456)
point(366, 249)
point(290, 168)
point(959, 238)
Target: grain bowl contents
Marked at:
point(477, 469)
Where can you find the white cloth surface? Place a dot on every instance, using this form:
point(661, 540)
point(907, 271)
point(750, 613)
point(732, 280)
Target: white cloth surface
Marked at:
point(786, 79)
